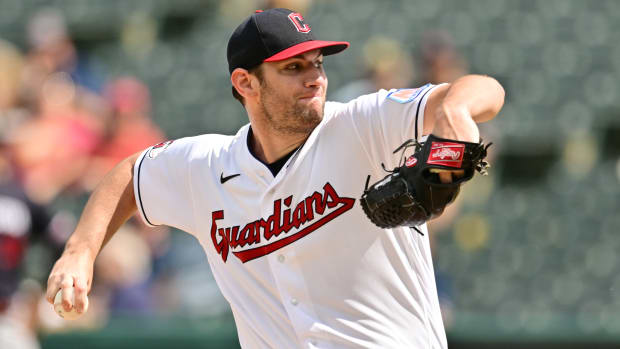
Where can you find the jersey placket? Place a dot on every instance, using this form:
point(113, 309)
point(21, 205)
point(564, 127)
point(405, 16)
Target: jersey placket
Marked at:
point(286, 272)
point(291, 285)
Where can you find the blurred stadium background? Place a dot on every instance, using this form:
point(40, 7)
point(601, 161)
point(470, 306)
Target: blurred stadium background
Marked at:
point(527, 257)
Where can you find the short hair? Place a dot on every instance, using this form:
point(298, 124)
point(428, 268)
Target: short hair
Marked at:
point(256, 71)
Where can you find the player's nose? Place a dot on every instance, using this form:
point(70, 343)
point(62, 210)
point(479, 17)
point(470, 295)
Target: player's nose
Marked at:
point(315, 77)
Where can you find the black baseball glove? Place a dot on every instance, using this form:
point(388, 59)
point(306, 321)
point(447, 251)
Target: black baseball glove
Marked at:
point(412, 193)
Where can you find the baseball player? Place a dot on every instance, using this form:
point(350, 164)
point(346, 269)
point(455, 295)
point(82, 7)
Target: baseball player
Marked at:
point(276, 207)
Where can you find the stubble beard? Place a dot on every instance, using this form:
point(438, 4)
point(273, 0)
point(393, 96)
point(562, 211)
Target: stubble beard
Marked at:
point(289, 119)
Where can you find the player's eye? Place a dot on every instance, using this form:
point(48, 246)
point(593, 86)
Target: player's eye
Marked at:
point(293, 66)
point(318, 64)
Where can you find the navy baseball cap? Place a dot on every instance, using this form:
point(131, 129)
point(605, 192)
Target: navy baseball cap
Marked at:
point(274, 35)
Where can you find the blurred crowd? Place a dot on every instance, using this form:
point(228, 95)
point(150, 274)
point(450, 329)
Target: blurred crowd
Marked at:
point(63, 127)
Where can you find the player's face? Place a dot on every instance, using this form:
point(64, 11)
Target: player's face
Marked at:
point(293, 92)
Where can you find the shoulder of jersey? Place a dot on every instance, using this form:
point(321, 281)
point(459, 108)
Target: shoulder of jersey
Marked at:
point(193, 147)
point(406, 95)
point(333, 109)
point(365, 99)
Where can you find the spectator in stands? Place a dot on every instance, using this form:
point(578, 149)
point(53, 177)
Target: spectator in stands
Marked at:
point(130, 128)
point(296, 5)
point(52, 50)
point(124, 274)
point(21, 221)
point(11, 68)
point(387, 64)
point(53, 148)
point(440, 60)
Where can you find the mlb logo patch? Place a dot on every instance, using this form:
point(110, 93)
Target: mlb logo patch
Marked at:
point(406, 95)
point(158, 149)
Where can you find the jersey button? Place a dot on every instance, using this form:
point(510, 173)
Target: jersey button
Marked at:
point(281, 258)
point(294, 301)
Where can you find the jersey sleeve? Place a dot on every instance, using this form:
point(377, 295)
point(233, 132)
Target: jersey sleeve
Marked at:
point(162, 185)
point(386, 119)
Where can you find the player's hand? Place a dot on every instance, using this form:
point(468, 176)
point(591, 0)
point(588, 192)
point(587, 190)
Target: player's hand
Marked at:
point(447, 176)
point(72, 269)
point(454, 123)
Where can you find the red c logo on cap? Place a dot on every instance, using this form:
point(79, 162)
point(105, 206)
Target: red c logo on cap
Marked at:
point(298, 22)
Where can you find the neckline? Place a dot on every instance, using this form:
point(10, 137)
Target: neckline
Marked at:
point(275, 166)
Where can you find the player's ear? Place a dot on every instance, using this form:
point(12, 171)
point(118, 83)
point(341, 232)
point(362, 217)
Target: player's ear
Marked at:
point(241, 80)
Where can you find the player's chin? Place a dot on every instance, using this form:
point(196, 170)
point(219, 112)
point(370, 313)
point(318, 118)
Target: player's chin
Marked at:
point(314, 104)
point(308, 117)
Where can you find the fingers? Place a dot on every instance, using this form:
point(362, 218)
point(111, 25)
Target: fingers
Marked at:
point(446, 176)
point(74, 292)
point(53, 285)
point(458, 174)
point(67, 292)
point(70, 280)
point(80, 288)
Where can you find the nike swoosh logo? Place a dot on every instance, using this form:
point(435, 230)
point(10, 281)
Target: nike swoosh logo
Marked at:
point(227, 178)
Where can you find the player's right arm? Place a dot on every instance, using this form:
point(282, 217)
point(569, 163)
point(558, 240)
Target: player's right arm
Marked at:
point(110, 205)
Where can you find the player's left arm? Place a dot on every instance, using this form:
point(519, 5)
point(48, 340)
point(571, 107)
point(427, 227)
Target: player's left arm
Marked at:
point(453, 110)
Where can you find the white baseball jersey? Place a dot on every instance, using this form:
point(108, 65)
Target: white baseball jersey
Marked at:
point(294, 255)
